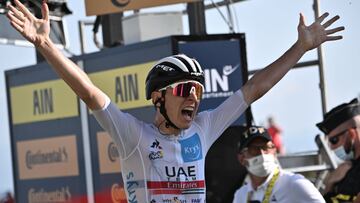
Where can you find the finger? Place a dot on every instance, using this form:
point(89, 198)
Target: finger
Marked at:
point(333, 38)
point(23, 9)
point(322, 17)
point(332, 31)
point(302, 20)
point(16, 26)
point(14, 19)
point(16, 13)
point(45, 11)
point(331, 21)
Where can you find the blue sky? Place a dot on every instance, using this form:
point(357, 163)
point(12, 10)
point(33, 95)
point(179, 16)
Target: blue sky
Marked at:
point(270, 28)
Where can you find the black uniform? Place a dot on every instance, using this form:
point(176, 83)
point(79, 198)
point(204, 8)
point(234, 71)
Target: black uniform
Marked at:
point(346, 189)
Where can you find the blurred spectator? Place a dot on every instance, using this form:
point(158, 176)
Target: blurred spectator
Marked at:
point(275, 133)
point(8, 198)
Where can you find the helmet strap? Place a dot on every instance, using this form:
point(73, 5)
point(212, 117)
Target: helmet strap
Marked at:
point(161, 100)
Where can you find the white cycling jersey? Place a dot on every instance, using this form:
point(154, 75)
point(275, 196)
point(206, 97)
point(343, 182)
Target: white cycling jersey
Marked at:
point(160, 168)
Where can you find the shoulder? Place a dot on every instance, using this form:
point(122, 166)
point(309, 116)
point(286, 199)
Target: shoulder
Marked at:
point(356, 165)
point(298, 183)
point(298, 187)
point(293, 177)
point(240, 194)
point(289, 179)
point(290, 174)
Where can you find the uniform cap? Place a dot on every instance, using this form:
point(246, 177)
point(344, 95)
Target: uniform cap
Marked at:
point(250, 134)
point(339, 115)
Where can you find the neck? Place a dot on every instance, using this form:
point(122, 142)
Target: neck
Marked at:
point(356, 144)
point(257, 181)
point(160, 123)
point(356, 151)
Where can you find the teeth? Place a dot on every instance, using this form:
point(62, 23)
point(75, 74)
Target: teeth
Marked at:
point(189, 108)
point(188, 112)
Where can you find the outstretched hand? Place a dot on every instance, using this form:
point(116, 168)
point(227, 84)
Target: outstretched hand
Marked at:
point(33, 29)
point(317, 33)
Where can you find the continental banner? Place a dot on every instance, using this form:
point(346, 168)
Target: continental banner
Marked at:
point(109, 159)
point(42, 101)
point(109, 164)
point(125, 86)
point(49, 157)
point(46, 137)
point(96, 7)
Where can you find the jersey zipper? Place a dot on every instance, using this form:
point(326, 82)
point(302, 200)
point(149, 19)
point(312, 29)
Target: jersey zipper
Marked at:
point(178, 152)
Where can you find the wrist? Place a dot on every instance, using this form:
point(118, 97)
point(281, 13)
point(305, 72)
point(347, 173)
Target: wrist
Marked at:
point(300, 47)
point(43, 44)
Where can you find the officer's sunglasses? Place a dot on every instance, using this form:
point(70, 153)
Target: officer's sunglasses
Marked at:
point(254, 149)
point(335, 139)
point(184, 89)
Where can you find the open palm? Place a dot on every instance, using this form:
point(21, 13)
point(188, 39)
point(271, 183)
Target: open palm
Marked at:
point(314, 35)
point(33, 29)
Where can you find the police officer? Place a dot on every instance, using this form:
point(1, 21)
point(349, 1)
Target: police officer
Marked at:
point(267, 182)
point(341, 126)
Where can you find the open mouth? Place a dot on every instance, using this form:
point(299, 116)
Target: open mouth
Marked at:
point(188, 112)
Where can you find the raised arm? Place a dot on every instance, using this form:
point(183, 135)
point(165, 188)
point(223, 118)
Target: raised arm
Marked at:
point(37, 32)
point(309, 37)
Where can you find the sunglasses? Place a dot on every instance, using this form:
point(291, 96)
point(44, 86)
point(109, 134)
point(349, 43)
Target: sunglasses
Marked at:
point(184, 89)
point(253, 149)
point(335, 139)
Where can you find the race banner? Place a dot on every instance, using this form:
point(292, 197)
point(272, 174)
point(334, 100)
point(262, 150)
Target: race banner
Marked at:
point(46, 137)
point(95, 7)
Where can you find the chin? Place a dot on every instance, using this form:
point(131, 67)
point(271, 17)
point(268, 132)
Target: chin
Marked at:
point(186, 126)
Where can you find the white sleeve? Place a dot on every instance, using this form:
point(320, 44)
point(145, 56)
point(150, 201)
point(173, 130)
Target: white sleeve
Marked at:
point(224, 115)
point(303, 191)
point(124, 128)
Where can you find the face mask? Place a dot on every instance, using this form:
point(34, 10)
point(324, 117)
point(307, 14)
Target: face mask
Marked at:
point(261, 165)
point(341, 153)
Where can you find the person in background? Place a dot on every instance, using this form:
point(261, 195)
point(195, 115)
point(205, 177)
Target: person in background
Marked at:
point(341, 125)
point(275, 133)
point(267, 181)
point(8, 198)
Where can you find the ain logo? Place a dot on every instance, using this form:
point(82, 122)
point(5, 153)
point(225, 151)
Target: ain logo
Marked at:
point(120, 3)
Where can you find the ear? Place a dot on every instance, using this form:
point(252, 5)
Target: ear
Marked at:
point(353, 133)
point(241, 159)
point(155, 96)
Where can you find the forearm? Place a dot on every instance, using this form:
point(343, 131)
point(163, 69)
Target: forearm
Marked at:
point(329, 184)
point(265, 79)
point(71, 74)
point(328, 188)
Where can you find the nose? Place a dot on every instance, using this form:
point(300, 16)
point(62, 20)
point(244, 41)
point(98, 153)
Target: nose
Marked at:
point(334, 146)
point(259, 151)
point(263, 151)
point(192, 96)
